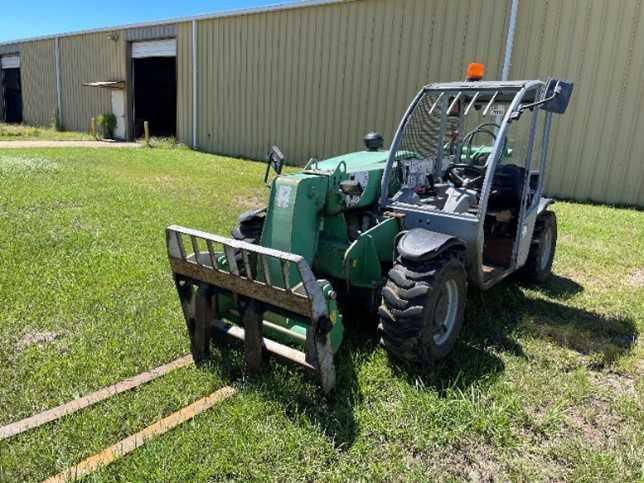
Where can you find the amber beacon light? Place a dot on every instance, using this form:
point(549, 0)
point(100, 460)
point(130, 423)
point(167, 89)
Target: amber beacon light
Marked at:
point(475, 71)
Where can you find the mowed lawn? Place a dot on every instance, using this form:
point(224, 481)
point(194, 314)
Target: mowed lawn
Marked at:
point(544, 384)
point(22, 132)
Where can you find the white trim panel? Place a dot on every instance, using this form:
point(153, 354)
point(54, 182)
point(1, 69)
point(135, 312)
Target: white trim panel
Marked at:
point(10, 62)
point(154, 48)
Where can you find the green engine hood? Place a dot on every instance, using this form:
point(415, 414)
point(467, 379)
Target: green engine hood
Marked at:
point(358, 161)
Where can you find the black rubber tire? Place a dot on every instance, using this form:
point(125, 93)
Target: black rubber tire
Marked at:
point(249, 226)
point(199, 329)
point(536, 269)
point(409, 308)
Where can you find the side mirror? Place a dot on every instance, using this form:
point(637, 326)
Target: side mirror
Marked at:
point(555, 99)
point(275, 160)
point(557, 96)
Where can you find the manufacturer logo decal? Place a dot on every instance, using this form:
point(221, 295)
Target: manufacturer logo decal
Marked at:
point(283, 196)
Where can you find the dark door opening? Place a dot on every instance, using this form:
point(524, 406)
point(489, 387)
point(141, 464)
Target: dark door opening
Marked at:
point(12, 95)
point(155, 95)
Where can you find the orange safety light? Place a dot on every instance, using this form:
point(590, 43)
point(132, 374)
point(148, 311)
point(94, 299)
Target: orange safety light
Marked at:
point(475, 71)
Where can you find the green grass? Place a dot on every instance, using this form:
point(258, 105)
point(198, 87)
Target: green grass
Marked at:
point(163, 142)
point(544, 383)
point(22, 132)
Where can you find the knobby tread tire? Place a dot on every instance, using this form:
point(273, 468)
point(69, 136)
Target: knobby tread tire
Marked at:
point(532, 271)
point(407, 310)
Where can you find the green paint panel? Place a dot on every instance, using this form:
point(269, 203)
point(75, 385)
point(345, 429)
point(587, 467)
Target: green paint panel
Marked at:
point(362, 264)
point(293, 220)
point(383, 235)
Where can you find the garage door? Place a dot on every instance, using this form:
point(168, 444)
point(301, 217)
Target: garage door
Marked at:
point(10, 62)
point(154, 48)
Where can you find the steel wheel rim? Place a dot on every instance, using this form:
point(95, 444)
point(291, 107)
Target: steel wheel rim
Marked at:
point(547, 249)
point(447, 303)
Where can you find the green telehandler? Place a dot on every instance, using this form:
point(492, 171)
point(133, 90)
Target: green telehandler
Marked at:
point(455, 200)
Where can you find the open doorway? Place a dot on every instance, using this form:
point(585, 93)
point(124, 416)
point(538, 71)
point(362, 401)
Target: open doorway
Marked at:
point(154, 73)
point(12, 95)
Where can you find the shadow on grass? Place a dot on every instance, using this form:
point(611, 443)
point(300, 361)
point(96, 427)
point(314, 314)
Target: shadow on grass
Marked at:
point(556, 287)
point(493, 320)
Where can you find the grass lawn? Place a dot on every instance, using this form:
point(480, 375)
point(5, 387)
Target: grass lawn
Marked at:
point(545, 383)
point(22, 132)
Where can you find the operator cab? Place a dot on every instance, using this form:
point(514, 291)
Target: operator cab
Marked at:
point(464, 154)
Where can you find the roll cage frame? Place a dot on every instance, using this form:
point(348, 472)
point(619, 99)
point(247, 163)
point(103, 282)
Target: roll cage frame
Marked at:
point(468, 227)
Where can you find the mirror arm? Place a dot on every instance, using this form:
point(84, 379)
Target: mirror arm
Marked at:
point(268, 170)
point(523, 107)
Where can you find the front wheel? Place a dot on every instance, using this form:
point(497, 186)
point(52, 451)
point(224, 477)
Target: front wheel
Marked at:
point(538, 266)
point(422, 308)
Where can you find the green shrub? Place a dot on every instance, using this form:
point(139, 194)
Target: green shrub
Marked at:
point(107, 123)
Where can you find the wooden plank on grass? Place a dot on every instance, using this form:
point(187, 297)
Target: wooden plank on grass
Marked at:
point(129, 444)
point(90, 399)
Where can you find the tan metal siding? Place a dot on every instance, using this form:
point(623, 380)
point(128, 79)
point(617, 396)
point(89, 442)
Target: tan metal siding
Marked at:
point(38, 77)
point(151, 33)
point(597, 149)
point(86, 58)
point(315, 80)
point(184, 83)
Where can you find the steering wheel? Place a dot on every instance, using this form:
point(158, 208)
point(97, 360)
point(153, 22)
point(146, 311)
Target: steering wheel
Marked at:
point(469, 175)
point(470, 157)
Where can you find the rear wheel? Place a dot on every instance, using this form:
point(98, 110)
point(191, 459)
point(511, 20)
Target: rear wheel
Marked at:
point(538, 266)
point(422, 308)
point(250, 225)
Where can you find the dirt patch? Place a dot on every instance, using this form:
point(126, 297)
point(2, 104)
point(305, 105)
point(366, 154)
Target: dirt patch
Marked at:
point(470, 461)
point(616, 385)
point(35, 337)
point(249, 202)
point(636, 278)
point(594, 422)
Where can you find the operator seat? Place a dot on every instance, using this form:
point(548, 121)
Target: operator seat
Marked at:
point(507, 188)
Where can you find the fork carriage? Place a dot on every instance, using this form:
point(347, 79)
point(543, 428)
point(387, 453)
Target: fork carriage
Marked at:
point(222, 278)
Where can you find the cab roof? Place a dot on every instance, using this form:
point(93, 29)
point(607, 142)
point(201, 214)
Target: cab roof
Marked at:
point(503, 91)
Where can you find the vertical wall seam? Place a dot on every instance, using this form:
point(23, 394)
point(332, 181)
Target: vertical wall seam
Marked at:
point(194, 84)
point(59, 107)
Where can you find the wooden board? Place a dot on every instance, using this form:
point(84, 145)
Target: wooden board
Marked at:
point(77, 404)
point(129, 444)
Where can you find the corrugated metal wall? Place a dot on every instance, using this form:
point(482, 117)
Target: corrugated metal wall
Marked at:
point(87, 58)
point(10, 49)
point(38, 77)
point(597, 146)
point(315, 80)
point(151, 33)
point(184, 83)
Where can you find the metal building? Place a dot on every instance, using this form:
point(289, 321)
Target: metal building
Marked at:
point(314, 77)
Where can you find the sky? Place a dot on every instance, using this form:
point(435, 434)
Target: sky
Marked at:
point(21, 19)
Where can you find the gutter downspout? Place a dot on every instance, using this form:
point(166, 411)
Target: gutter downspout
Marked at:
point(194, 84)
point(58, 94)
point(509, 40)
